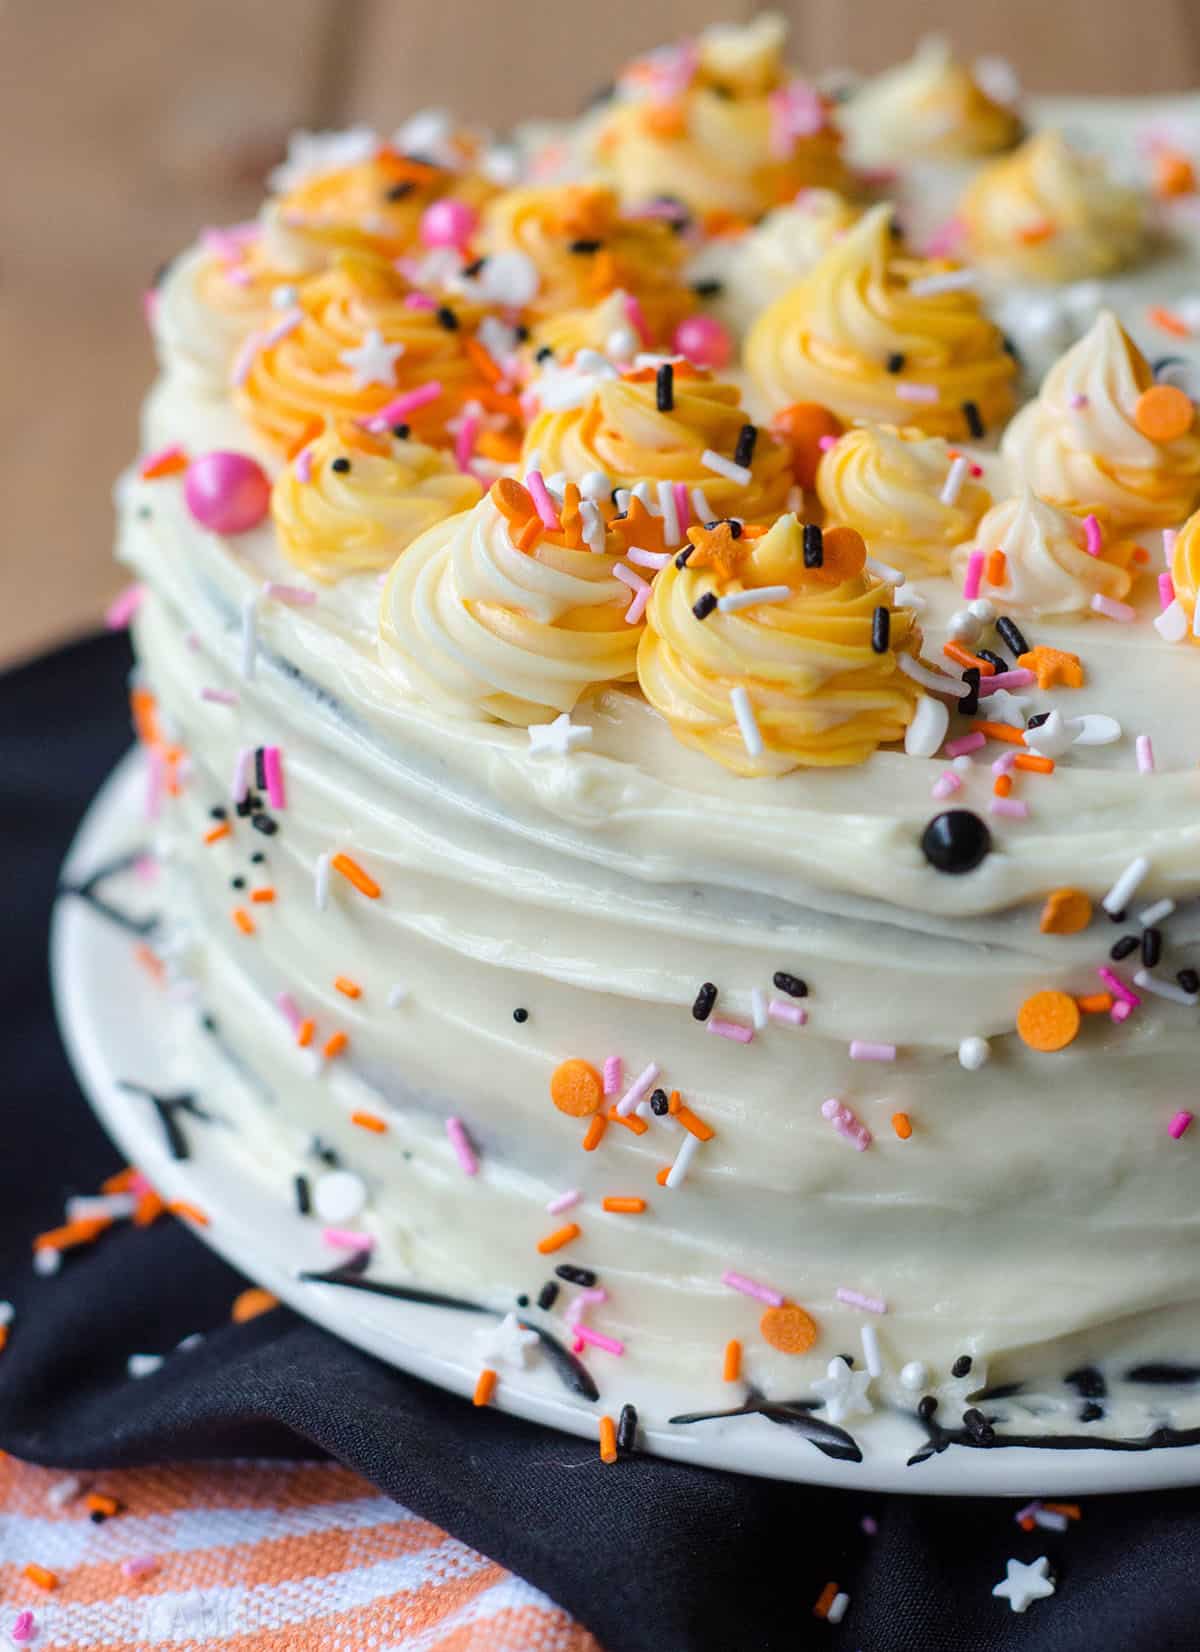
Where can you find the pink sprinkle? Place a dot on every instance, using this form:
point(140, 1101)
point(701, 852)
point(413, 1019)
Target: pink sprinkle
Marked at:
point(1180, 1123)
point(1005, 763)
point(946, 785)
point(584, 1333)
point(1093, 535)
point(347, 1239)
point(543, 504)
point(1145, 754)
point(24, 1627)
point(640, 589)
point(285, 325)
point(582, 1301)
point(146, 869)
point(577, 1346)
point(219, 696)
point(303, 463)
point(730, 1029)
point(162, 456)
point(1166, 591)
point(463, 1151)
point(636, 317)
point(649, 559)
point(847, 1123)
point(1121, 1011)
point(240, 784)
point(564, 1201)
point(908, 391)
point(1169, 536)
point(1112, 609)
point(244, 360)
point(862, 1049)
point(856, 1299)
point(140, 1565)
point(122, 608)
point(637, 1090)
point(613, 1067)
point(293, 596)
point(288, 1008)
point(794, 1014)
point(464, 441)
point(396, 409)
point(974, 575)
point(229, 241)
point(1077, 401)
point(683, 505)
point(1020, 678)
point(1012, 808)
point(964, 743)
point(824, 443)
point(869, 1525)
point(944, 240)
point(1028, 1512)
point(273, 777)
point(1118, 988)
point(748, 1287)
point(419, 301)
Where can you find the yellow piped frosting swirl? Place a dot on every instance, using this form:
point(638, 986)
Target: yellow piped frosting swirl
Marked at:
point(620, 431)
point(1047, 568)
point(820, 694)
point(887, 484)
point(333, 522)
point(929, 108)
point(1077, 443)
point(600, 327)
point(480, 627)
point(1049, 213)
point(1185, 570)
point(759, 267)
point(832, 337)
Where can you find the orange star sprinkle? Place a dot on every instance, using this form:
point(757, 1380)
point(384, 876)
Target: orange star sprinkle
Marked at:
point(718, 548)
point(1053, 667)
point(639, 527)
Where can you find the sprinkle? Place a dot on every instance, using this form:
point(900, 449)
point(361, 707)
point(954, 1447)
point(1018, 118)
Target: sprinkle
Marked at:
point(909, 391)
point(637, 1090)
point(634, 1122)
point(613, 1067)
point(122, 609)
point(463, 1151)
point(485, 1387)
point(24, 1627)
point(936, 681)
point(1164, 989)
point(707, 602)
point(640, 589)
point(249, 658)
point(302, 465)
point(946, 785)
point(964, 743)
point(216, 833)
point(749, 1287)
point(321, 880)
point(334, 1045)
point(610, 1345)
point(995, 568)
point(837, 1607)
point(595, 1132)
point(870, 1345)
point(861, 1050)
point(856, 1299)
point(347, 1239)
point(814, 546)
point(1093, 535)
point(41, 1576)
point(1119, 895)
point(564, 1201)
point(542, 501)
point(649, 559)
point(1145, 754)
point(1179, 1124)
point(881, 625)
point(623, 1206)
point(731, 1368)
point(688, 1148)
point(794, 1014)
point(700, 505)
point(946, 281)
point(730, 1029)
point(396, 411)
point(560, 1237)
point(902, 1125)
point(353, 873)
point(243, 920)
point(636, 318)
point(684, 1116)
point(273, 773)
point(758, 1008)
point(824, 443)
point(1166, 591)
point(1155, 914)
point(664, 388)
point(165, 461)
point(1118, 988)
point(1169, 536)
point(737, 600)
point(1006, 680)
point(825, 1600)
point(747, 723)
point(305, 1031)
point(721, 466)
point(608, 1440)
point(705, 999)
point(1120, 1012)
point(955, 478)
point(974, 575)
point(999, 731)
point(1013, 808)
point(846, 1123)
point(1114, 610)
point(368, 1121)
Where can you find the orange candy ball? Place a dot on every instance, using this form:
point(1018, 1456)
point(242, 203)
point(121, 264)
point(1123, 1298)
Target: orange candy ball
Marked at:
point(576, 1088)
point(1048, 1021)
point(800, 427)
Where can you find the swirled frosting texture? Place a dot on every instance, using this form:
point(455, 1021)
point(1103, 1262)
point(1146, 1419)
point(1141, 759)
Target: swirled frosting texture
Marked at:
point(211, 299)
point(928, 108)
point(480, 628)
point(1078, 446)
point(1049, 213)
point(599, 327)
point(621, 432)
point(855, 337)
point(332, 522)
point(1047, 568)
point(820, 694)
point(760, 266)
point(887, 484)
point(1185, 569)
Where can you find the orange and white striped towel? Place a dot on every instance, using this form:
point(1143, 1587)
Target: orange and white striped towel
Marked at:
point(253, 1557)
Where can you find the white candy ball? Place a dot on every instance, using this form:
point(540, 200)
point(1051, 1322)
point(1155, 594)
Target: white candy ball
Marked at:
point(983, 610)
point(964, 626)
point(339, 1196)
point(974, 1053)
point(595, 485)
point(913, 1376)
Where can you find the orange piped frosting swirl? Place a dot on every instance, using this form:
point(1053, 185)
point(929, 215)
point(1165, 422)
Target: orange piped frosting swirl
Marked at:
point(855, 337)
point(491, 615)
point(887, 484)
point(929, 108)
point(357, 518)
point(1047, 568)
point(619, 430)
point(820, 694)
point(1185, 570)
point(289, 387)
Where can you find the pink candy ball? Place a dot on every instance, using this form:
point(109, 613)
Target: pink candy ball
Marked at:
point(227, 492)
point(448, 223)
point(704, 341)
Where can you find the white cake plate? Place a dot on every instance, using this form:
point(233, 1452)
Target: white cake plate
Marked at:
point(111, 1015)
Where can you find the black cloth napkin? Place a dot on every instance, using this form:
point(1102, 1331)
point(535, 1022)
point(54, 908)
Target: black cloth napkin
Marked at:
point(651, 1556)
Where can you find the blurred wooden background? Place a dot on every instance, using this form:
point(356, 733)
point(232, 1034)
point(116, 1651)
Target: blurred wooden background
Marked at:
point(124, 127)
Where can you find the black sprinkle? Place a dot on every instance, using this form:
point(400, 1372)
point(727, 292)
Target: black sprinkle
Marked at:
point(708, 289)
point(961, 1366)
point(264, 824)
point(1037, 719)
point(520, 1015)
point(341, 466)
point(881, 629)
point(522, 1301)
point(1091, 1412)
point(446, 318)
point(548, 1295)
point(545, 353)
point(303, 1195)
point(997, 664)
point(956, 841)
point(586, 244)
point(791, 984)
point(1009, 347)
point(1088, 1382)
point(397, 192)
point(1123, 947)
point(1011, 635)
point(97, 1517)
point(402, 432)
point(1189, 980)
point(969, 704)
point(743, 453)
point(977, 1425)
point(1118, 917)
point(1151, 947)
point(895, 362)
point(521, 333)
point(260, 768)
point(576, 1276)
point(218, 813)
point(814, 546)
point(705, 999)
point(472, 269)
point(975, 424)
point(327, 1155)
point(681, 561)
point(659, 1104)
point(926, 1406)
point(704, 607)
point(237, 883)
point(257, 857)
point(1161, 1372)
point(627, 1428)
point(664, 388)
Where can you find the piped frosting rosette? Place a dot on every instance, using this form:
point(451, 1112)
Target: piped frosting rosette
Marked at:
point(1048, 568)
point(349, 503)
point(1048, 213)
point(873, 333)
point(718, 123)
point(816, 689)
point(493, 614)
point(1185, 571)
point(929, 108)
point(210, 300)
point(581, 248)
point(756, 268)
point(1080, 443)
point(622, 431)
point(604, 328)
point(358, 344)
point(911, 497)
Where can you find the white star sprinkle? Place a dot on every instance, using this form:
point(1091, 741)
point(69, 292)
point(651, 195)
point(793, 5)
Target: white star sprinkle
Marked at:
point(559, 737)
point(507, 1343)
point(1025, 1584)
point(1003, 707)
point(1051, 738)
point(373, 361)
point(844, 1392)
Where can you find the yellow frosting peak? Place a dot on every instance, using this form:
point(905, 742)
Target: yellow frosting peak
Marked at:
point(1048, 213)
point(874, 333)
point(1047, 566)
point(1078, 443)
point(601, 327)
point(746, 58)
point(758, 267)
point(930, 107)
point(358, 517)
point(889, 485)
point(817, 690)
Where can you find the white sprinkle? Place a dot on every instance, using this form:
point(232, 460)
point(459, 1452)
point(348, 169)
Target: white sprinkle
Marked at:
point(870, 1345)
point(721, 466)
point(927, 729)
point(884, 570)
point(1172, 623)
point(983, 610)
point(85, 1208)
point(747, 724)
point(241, 774)
point(46, 1262)
point(955, 478)
point(1156, 913)
point(1120, 611)
point(737, 600)
point(339, 1196)
point(933, 680)
point(669, 513)
point(321, 880)
point(190, 1342)
point(649, 559)
point(1169, 536)
point(907, 391)
point(1118, 896)
point(63, 1492)
point(1052, 1521)
point(621, 499)
point(637, 1090)
point(1164, 989)
point(945, 281)
point(396, 995)
point(593, 525)
point(704, 511)
point(644, 494)
point(837, 1607)
point(913, 1376)
point(758, 1008)
point(908, 598)
point(143, 1365)
point(679, 1167)
point(7, 1312)
point(564, 1201)
point(249, 637)
point(974, 1053)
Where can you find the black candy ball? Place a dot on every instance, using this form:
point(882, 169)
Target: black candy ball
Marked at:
point(956, 841)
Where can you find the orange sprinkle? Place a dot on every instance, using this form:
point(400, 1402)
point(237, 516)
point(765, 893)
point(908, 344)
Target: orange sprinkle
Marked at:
point(1002, 785)
point(40, 1575)
point(120, 1182)
point(998, 731)
point(1168, 321)
point(148, 1208)
point(1033, 764)
point(963, 656)
point(369, 1121)
point(1043, 230)
point(512, 499)
point(594, 1134)
point(99, 1503)
point(560, 1237)
point(249, 1304)
point(576, 1088)
point(485, 1387)
point(494, 444)
point(335, 1044)
point(630, 1121)
point(623, 1206)
point(788, 1328)
point(1053, 666)
point(216, 833)
point(3, 1338)
point(1095, 1003)
point(1140, 554)
point(1174, 174)
point(181, 1207)
point(262, 897)
point(902, 1125)
point(674, 1102)
point(305, 1031)
point(1048, 1021)
point(1066, 911)
point(731, 1369)
point(243, 920)
point(1027, 1523)
point(528, 534)
point(149, 960)
point(496, 402)
point(663, 120)
point(484, 362)
point(353, 873)
point(995, 569)
point(349, 988)
point(661, 1177)
point(168, 463)
point(71, 1234)
point(608, 1440)
point(825, 1600)
point(1163, 413)
point(696, 1126)
point(1071, 1510)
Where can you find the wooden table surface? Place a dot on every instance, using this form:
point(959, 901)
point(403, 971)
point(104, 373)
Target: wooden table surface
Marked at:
point(124, 128)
